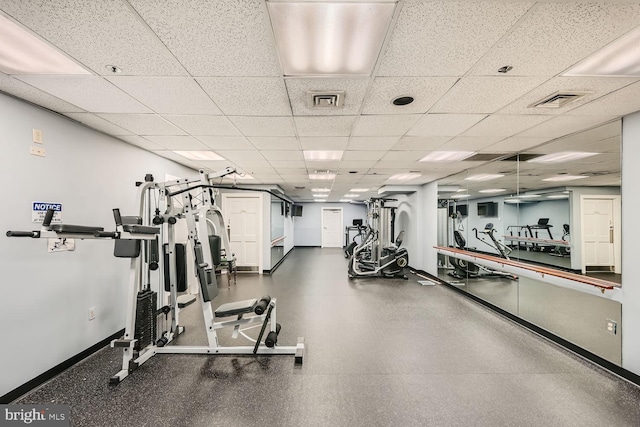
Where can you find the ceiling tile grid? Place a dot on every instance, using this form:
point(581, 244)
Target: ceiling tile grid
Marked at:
point(226, 142)
point(91, 93)
point(555, 35)
point(420, 143)
point(32, 94)
point(204, 125)
point(456, 33)
point(99, 123)
point(384, 125)
point(178, 142)
point(499, 125)
point(265, 143)
point(86, 31)
point(264, 126)
point(365, 143)
point(143, 124)
point(444, 124)
point(324, 142)
point(621, 102)
point(167, 95)
point(248, 96)
point(426, 91)
point(325, 126)
point(233, 38)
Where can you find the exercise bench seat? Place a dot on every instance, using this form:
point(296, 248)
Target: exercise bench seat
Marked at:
point(140, 229)
point(75, 229)
point(236, 308)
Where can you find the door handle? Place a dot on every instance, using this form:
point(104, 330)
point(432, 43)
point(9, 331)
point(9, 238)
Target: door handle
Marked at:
point(611, 235)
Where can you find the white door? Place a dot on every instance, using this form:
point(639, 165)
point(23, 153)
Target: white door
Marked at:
point(243, 219)
point(598, 232)
point(332, 230)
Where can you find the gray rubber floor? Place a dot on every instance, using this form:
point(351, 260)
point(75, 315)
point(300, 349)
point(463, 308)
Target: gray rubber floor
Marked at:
point(379, 353)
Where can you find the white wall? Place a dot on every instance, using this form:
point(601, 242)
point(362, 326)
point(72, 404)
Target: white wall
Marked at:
point(46, 297)
point(308, 227)
point(630, 247)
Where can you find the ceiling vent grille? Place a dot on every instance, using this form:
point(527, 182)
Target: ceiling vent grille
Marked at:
point(558, 99)
point(320, 99)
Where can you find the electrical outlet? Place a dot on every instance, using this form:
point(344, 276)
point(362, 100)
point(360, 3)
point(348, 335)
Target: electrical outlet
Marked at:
point(37, 136)
point(92, 313)
point(612, 326)
point(38, 151)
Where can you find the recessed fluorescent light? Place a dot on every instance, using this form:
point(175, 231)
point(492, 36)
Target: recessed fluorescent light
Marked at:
point(565, 178)
point(321, 195)
point(447, 156)
point(460, 196)
point(322, 155)
point(565, 156)
point(404, 176)
point(200, 155)
point(512, 201)
point(316, 38)
point(484, 177)
point(528, 196)
point(25, 53)
point(345, 200)
point(351, 195)
point(558, 196)
point(620, 58)
point(492, 190)
point(359, 190)
point(321, 190)
point(322, 176)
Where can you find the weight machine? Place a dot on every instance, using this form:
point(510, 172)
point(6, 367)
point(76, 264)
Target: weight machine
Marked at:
point(378, 254)
point(140, 238)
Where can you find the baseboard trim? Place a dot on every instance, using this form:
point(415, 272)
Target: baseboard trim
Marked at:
point(586, 354)
point(56, 370)
point(278, 263)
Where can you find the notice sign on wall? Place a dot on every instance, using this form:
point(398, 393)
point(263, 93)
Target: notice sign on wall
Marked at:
point(39, 210)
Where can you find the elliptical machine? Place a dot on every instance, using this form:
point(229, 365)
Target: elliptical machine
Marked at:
point(379, 254)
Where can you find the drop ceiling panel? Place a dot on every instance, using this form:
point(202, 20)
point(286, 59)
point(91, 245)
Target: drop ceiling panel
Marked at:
point(29, 93)
point(469, 143)
point(222, 38)
point(484, 94)
point(324, 143)
point(167, 95)
point(264, 126)
point(357, 164)
point(242, 156)
point(444, 124)
point(325, 126)
point(384, 125)
point(554, 36)
point(594, 86)
point(248, 96)
point(284, 167)
point(498, 125)
point(456, 33)
point(226, 142)
point(249, 164)
point(143, 124)
point(403, 156)
point(313, 165)
point(426, 91)
point(514, 144)
point(98, 123)
point(622, 102)
point(420, 143)
point(283, 155)
point(91, 93)
point(564, 125)
point(168, 154)
point(275, 142)
point(178, 142)
point(141, 142)
point(363, 155)
point(204, 125)
point(354, 94)
point(97, 34)
point(372, 142)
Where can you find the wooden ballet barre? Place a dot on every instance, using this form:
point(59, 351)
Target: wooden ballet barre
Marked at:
point(603, 285)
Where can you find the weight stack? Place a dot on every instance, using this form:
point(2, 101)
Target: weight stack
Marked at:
point(146, 320)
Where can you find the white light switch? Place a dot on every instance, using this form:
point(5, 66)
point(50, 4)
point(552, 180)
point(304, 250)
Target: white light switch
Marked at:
point(37, 136)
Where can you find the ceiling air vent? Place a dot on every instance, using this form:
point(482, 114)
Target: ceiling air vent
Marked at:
point(558, 99)
point(320, 99)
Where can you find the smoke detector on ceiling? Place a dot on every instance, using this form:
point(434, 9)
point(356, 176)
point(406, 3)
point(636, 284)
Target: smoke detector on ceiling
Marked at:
point(558, 99)
point(321, 99)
